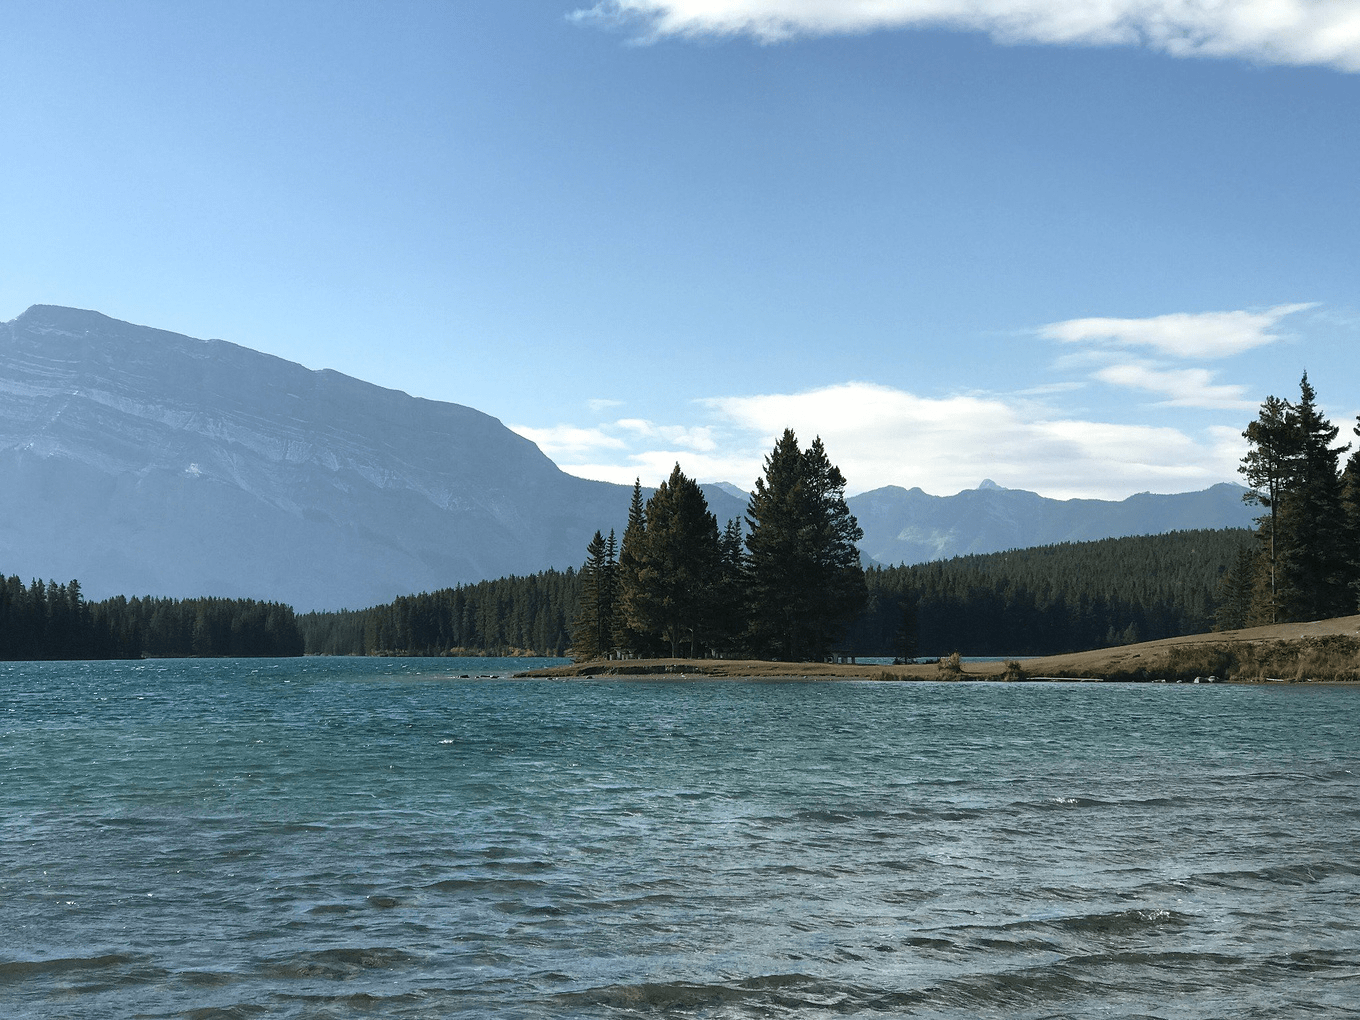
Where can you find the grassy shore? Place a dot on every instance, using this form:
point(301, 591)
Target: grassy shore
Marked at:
point(1324, 651)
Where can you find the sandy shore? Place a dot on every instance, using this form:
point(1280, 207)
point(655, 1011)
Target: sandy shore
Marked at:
point(1325, 650)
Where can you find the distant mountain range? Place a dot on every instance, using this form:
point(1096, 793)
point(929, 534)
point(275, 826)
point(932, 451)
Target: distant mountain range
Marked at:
point(911, 526)
point(146, 462)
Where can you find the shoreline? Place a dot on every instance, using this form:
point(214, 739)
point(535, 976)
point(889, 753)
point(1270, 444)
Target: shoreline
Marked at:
point(1324, 651)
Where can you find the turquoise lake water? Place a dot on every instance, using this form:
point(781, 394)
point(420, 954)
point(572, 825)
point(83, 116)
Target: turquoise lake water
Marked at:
point(383, 838)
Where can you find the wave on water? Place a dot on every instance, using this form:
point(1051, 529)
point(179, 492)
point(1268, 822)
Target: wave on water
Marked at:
point(21, 970)
point(355, 844)
point(338, 964)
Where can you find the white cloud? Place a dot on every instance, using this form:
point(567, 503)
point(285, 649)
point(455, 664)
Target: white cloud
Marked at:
point(568, 440)
point(1181, 334)
point(740, 465)
point(880, 436)
point(1048, 389)
point(697, 438)
point(1323, 32)
point(598, 404)
point(640, 449)
point(1183, 387)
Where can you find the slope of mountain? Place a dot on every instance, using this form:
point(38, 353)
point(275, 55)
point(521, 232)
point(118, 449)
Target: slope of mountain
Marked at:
point(146, 462)
point(141, 461)
point(911, 526)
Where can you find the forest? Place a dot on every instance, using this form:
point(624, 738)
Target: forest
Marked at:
point(1043, 600)
point(1305, 563)
point(1029, 601)
point(785, 583)
point(54, 621)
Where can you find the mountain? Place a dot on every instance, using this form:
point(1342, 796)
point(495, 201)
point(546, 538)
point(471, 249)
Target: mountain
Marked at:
point(146, 462)
point(911, 526)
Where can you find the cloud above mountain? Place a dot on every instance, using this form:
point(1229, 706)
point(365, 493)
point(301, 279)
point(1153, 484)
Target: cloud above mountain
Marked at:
point(1306, 32)
point(949, 443)
point(882, 435)
point(1188, 335)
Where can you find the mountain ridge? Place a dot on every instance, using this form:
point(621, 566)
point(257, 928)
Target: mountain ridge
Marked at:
point(912, 526)
point(143, 461)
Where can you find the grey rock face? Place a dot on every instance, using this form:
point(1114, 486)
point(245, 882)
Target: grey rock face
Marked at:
point(145, 462)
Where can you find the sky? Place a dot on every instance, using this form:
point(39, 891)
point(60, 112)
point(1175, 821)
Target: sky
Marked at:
point(1068, 247)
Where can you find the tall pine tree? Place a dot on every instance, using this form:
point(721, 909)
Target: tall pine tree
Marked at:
point(1314, 576)
point(804, 580)
point(630, 634)
point(678, 567)
point(1266, 468)
point(592, 635)
point(1307, 560)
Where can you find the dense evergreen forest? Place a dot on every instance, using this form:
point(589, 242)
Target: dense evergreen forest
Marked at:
point(788, 585)
point(510, 616)
point(1050, 599)
point(1031, 601)
point(53, 621)
point(1306, 561)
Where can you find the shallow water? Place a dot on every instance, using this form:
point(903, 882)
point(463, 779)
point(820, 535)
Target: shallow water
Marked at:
point(360, 838)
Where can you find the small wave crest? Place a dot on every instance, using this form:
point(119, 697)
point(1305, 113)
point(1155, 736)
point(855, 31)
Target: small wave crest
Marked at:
point(338, 964)
point(22, 970)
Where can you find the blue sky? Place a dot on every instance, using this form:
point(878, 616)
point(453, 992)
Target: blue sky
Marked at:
point(1067, 247)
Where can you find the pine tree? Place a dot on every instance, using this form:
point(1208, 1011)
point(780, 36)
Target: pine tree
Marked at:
point(1266, 468)
point(593, 627)
point(630, 634)
point(1350, 510)
point(1313, 581)
point(678, 565)
point(609, 596)
point(1236, 590)
point(804, 579)
point(727, 617)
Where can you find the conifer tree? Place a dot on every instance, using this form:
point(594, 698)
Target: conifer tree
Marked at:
point(592, 631)
point(804, 580)
point(1313, 580)
point(1307, 562)
point(1236, 590)
point(1266, 468)
point(678, 566)
point(630, 635)
point(728, 621)
point(1350, 511)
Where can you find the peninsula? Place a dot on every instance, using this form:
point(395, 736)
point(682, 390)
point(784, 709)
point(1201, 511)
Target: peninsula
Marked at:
point(1320, 651)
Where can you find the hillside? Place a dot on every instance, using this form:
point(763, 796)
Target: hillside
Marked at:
point(911, 526)
point(146, 462)
point(142, 461)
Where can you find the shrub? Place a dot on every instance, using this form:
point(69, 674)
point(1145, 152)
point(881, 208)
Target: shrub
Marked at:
point(951, 666)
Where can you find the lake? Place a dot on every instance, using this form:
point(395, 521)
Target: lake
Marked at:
point(385, 838)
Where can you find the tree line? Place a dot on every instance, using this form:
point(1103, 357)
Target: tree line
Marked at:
point(786, 583)
point(784, 586)
point(54, 621)
point(1031, 601)
point(1050, 599)
point(1043, 600)
point(1305, 562)
point(510, 616)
